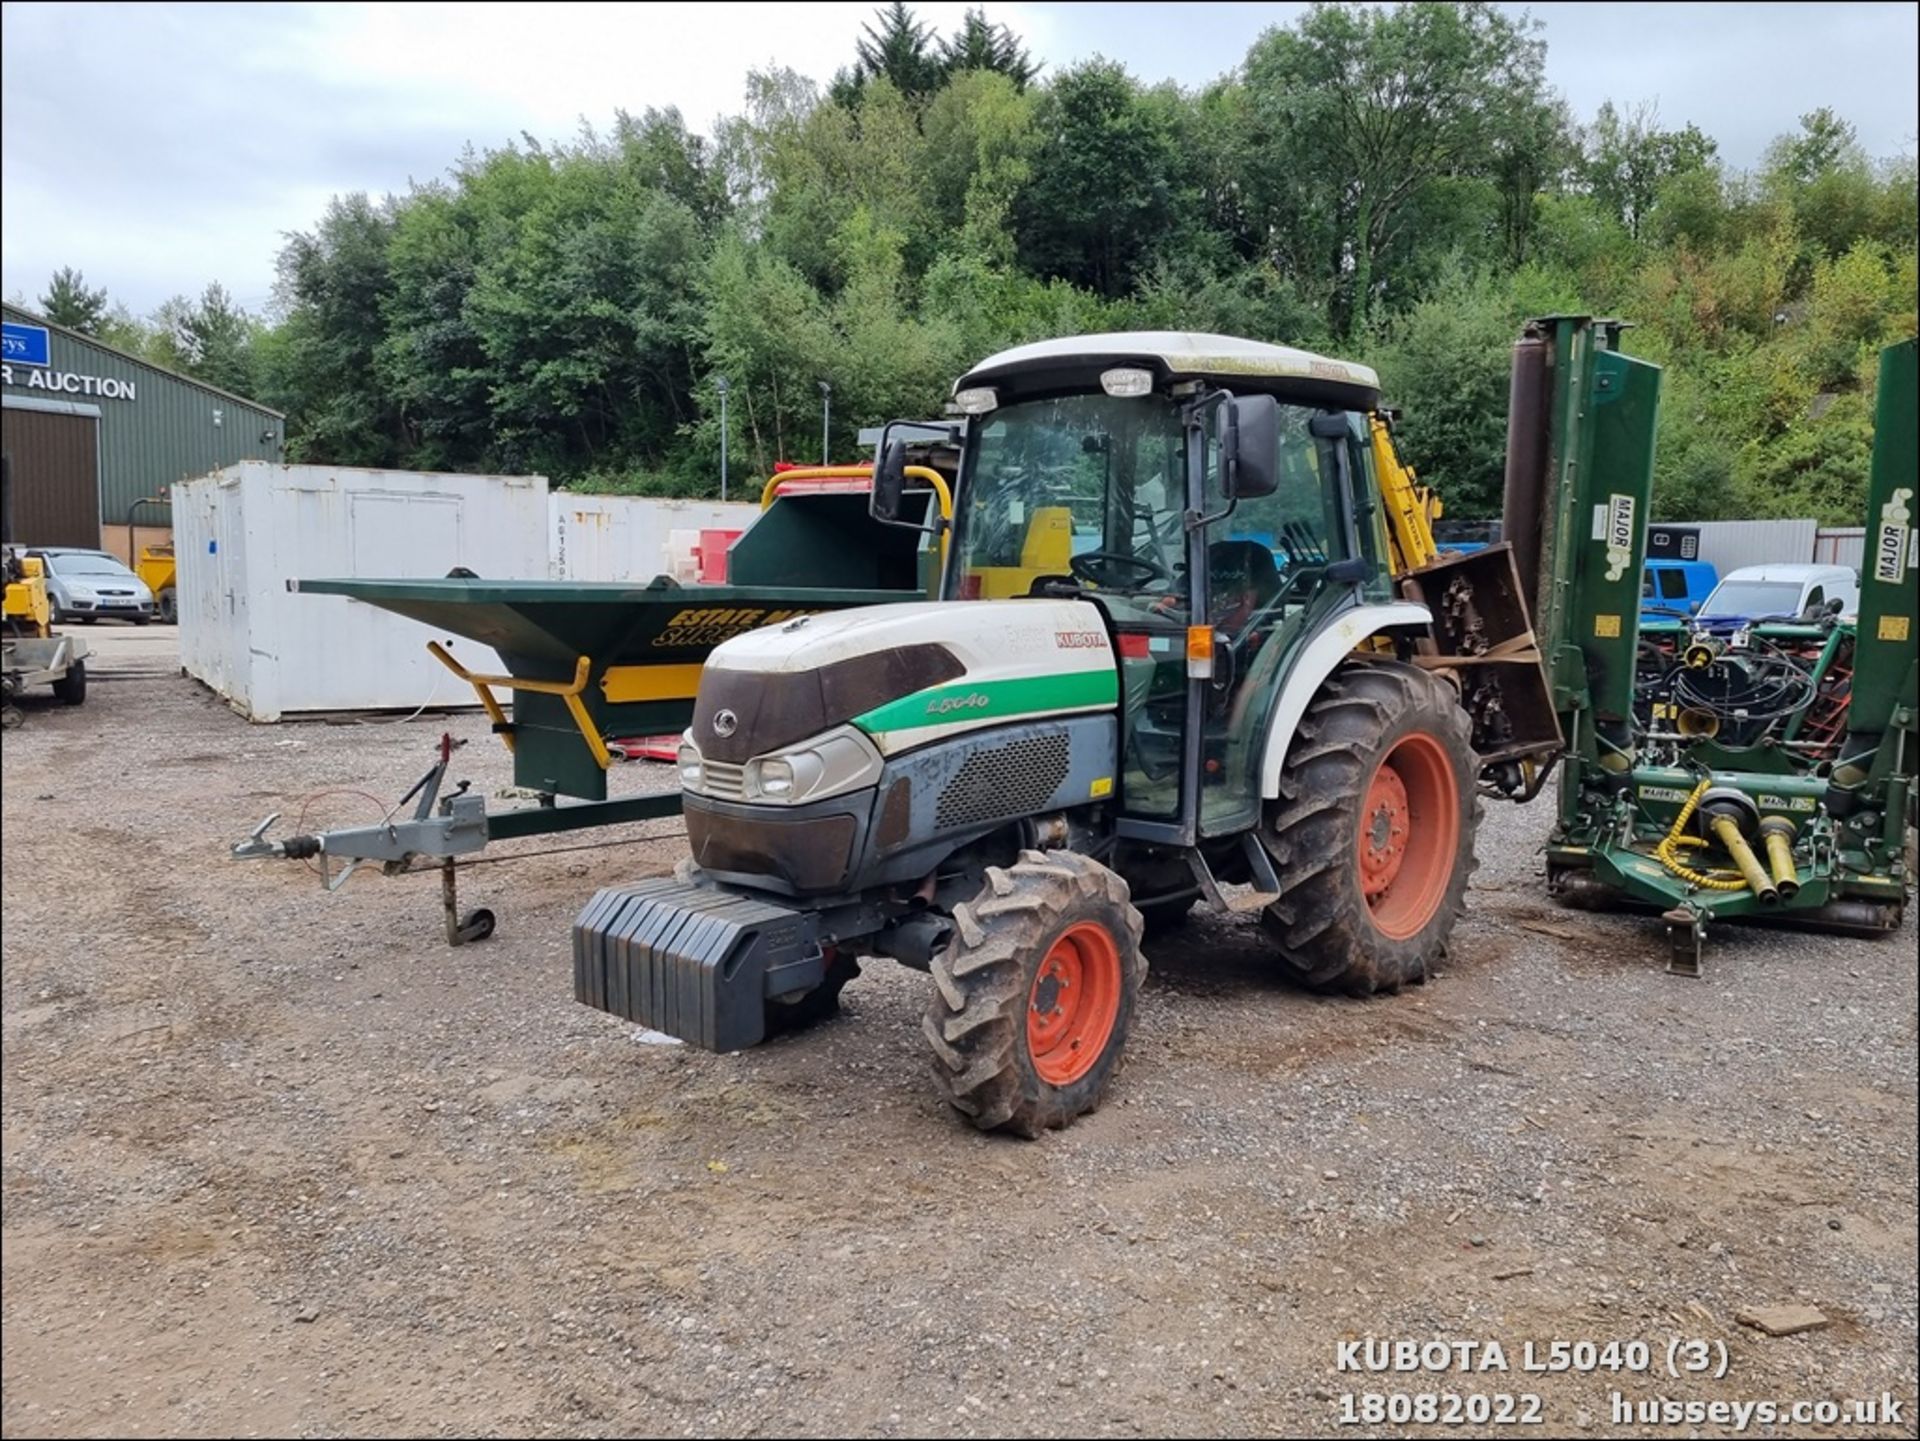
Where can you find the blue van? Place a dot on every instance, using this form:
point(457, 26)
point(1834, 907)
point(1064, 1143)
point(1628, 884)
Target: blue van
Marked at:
point(1673, 590)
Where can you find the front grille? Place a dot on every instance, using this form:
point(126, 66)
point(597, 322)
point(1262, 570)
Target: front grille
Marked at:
point(723, 781)
point(807, 853)
point(1014, 779)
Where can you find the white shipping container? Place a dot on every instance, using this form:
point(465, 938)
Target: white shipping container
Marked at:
point(242, 533)
point(627, 537)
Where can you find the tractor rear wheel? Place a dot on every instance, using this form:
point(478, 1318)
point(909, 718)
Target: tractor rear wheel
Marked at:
point(1372, 835)
point(1033, 997)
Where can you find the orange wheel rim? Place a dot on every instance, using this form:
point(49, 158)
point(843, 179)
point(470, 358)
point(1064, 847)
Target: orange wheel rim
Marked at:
point(1074, 1003)
point(1409, 836)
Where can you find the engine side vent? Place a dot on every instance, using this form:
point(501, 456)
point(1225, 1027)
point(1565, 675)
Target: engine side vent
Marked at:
point(1010, 780)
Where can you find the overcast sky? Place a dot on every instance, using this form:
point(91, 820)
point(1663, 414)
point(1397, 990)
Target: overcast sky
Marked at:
point(158, 147)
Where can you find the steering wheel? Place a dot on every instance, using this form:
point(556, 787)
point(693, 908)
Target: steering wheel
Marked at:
point(1088, 566)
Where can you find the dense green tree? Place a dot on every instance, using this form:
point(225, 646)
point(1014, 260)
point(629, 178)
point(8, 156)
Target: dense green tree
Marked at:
point(1393, 185)
point(210, 338)
point(333, 283)
point(1626, 160)
point(1104, 196)
point(583, 315)
point(1369, 106)
point(980, 45)
point(902, 51)
point(69, 302)
point(979, 144)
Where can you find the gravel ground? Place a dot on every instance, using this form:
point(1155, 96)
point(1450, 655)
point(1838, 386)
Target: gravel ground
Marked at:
point(282, 1162)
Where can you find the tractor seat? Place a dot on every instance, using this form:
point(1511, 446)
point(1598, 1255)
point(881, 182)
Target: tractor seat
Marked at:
point(1241, 579)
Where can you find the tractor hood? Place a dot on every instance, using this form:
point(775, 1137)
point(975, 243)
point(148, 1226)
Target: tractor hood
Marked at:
point(905, 674)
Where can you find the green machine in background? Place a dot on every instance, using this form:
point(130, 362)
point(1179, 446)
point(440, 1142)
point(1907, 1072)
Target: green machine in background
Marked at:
point(1752, 768)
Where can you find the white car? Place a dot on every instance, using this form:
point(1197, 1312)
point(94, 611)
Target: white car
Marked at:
point(86, 585)
point(1782, 592)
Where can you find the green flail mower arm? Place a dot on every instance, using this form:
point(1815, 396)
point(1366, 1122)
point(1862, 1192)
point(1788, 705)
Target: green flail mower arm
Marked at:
point(1579, 484)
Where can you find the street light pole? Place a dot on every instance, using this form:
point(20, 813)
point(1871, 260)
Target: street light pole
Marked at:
point(826, 410)
point(720, 385)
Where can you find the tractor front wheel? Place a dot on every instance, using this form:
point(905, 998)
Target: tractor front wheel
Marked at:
point(1033, 997)
point(1372, 836)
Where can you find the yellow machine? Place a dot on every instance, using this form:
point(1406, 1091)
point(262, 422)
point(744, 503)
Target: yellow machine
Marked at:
point(156, 568)
point(28, 610)
point(31, 654)
point(1411, 507)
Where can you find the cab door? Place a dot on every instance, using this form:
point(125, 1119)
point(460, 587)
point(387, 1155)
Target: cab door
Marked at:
point(1269, 592)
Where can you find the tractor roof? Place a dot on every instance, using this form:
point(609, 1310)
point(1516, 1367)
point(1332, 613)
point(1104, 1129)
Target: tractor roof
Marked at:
point(1075, 362)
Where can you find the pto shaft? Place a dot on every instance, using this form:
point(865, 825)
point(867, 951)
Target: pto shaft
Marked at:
point(1777, 832)
point(1727, 831)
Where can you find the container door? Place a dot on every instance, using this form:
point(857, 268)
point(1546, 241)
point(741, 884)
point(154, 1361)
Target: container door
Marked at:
point(233, 654)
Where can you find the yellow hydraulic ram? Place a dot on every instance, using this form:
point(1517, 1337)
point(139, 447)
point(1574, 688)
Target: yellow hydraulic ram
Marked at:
point(1411, 507)
point(568, 691)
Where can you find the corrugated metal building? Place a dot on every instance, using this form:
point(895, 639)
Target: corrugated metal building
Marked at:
point(1729, 544)
point(88, 430)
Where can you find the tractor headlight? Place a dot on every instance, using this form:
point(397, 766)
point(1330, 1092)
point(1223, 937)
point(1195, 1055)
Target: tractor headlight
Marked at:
point(771, 779)
point(690, 767)
point(840, 761)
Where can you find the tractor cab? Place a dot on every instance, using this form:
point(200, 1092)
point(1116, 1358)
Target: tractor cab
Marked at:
point(1211, 497)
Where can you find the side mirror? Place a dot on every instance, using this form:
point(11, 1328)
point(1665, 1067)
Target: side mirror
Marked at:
point(1249, 434)
point(1837, 605)
point(890, 481)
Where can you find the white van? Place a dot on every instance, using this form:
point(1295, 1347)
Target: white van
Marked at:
point(1782, 592)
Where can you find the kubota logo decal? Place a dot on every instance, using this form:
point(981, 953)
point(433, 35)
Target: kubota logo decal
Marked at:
point(948, 704)
point(1080, 640)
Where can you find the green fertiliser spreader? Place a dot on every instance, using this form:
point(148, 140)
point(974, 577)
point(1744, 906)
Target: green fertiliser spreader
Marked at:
point(1164, 617)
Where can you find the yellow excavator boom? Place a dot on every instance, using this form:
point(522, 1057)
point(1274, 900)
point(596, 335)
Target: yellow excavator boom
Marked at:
point(1411, 507)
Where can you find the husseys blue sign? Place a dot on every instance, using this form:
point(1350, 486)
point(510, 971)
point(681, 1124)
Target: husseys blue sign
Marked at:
point(26, 345)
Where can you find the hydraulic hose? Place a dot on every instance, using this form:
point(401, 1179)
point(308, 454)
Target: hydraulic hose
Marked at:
point(1667, 851)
